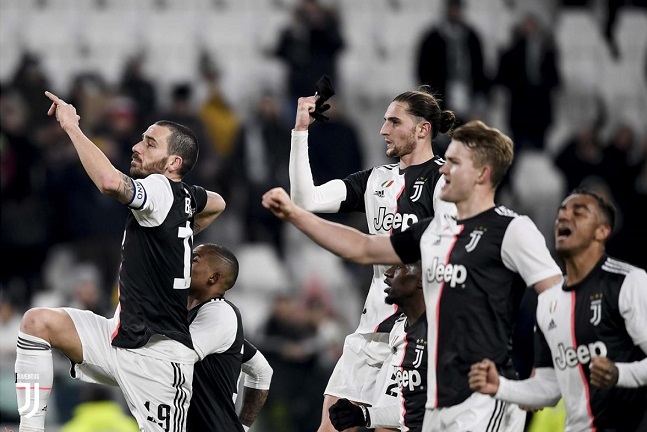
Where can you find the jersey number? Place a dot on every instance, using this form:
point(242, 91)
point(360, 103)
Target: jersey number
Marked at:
point(186, 234)
point(163, 415)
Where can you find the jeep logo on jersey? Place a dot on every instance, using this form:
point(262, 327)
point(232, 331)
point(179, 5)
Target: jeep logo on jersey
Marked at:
point(387, 221)
point(417, 190)
point(408, 378)
point(596, 307)
point(455, 274)
point(570, 357)
point(475, 237)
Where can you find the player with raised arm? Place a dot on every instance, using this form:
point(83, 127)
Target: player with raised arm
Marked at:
point(394, 197)
point(408, 364)
point(476, 266)
point(591, 333)
point(218, 338)
point(146, 347)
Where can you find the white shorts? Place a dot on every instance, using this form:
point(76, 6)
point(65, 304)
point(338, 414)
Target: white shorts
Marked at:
point(477, 413)
point(358, 369)
point(157, 391)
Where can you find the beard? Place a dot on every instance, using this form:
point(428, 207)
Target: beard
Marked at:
point(406, 147)
point(144, 171)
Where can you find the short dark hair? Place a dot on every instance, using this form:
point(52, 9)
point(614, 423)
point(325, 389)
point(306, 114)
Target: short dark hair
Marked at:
point(422, 103)
point(489, 145)
point(607, 209)
point(183, 143)
point(225, 258)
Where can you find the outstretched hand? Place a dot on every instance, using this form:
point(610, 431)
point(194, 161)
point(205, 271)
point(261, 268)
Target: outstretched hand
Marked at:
point(64, 112)
point(484, 378)
point(278, 202)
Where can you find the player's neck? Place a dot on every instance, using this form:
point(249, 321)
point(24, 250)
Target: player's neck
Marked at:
point(413, 311)
point(580, 265)
point(476, 204)
point(421, 154)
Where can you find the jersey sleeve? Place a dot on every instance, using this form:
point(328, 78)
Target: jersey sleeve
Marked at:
point(325, 198)
point(214, 315)
point(248, 350)
point(407, 243)
point(540, 391)
point(200, 196)
point(152, 200)
point(258, 372)
point(524, 251)
point(632, 302)
point(355, 189)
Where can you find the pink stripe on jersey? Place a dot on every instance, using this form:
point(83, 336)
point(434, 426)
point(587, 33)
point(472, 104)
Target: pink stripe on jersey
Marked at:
point(580, 367)
point(440, 296)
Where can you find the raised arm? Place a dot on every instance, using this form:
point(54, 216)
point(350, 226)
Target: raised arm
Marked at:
point(325, 198)
point(108, 179)
point(215, 206)
point(343, 241)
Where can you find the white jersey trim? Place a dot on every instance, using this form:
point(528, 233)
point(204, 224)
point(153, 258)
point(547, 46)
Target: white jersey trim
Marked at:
point(524, 251)
point(158, 200)
point(217, 314)
point(326, 198)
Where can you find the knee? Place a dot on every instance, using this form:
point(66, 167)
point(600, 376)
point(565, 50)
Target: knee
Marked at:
point(37, 322)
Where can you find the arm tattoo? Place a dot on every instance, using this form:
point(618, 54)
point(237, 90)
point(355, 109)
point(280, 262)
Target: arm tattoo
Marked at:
point(126, 191)
point(253, 401)
point(196, 227)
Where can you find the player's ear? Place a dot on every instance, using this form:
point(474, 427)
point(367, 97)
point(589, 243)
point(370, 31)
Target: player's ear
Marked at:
point(175, 162)
point(424, 129)
point(602, 233)
point(214, 278)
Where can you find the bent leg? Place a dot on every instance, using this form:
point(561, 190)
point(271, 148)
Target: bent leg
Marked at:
point(40, 330)
point(56, 328)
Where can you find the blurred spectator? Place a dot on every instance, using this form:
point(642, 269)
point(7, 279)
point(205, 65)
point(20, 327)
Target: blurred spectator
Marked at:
point(620, 168)
point(450, 60)
point(99, 412)
point(529, 70)
point(220, 120)
point(141, 90)
point(25, 226)
point(30, 81)
point(581, 157)
point(9, 326)
point(183, 112)
point(290, 344)
point(309, 46)
point(260, 162)
point(89, 94)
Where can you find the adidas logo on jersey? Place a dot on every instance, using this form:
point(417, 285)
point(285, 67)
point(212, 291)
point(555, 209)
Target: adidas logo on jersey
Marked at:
point(570, 357)
point(387, 221)
point(454, 274)
point(379, 193)
point(552, 325)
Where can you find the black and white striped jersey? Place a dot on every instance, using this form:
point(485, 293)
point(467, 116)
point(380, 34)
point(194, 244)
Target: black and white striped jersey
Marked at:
point(603, 315)
point(393, 200)
point(474, 274)
point(155, 271)
point(409, 362)
point(218, 338)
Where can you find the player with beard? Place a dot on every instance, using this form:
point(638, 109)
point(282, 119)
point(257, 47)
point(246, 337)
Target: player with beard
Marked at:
point(146, 347)
point(476, 266)
point(408, 364)
point(393, 197)
point(591, 335)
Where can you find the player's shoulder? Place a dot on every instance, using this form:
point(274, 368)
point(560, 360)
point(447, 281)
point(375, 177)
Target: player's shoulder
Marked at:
point(615, 266)
point(387, 168)
point(504, 212)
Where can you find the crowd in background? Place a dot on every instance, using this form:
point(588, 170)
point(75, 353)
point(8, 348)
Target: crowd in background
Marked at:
point(61, 244)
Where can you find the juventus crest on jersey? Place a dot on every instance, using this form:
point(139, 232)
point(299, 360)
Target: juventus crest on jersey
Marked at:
point(593, 319)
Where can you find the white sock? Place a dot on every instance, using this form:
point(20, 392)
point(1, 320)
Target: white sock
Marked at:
point(34, 378)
